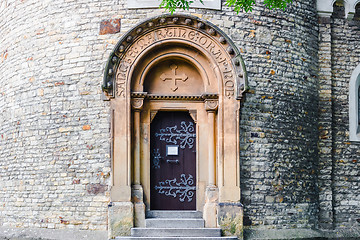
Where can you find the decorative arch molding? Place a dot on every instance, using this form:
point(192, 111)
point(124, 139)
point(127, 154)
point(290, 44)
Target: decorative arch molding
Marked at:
point(325, 8)
point(175, 63)
point(354, 102)
point(189, 30)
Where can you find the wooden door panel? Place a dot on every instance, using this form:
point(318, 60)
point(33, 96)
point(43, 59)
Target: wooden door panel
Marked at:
point(173, 162)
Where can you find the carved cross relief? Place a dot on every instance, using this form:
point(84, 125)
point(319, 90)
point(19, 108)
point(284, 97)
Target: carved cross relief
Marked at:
point(174, 77)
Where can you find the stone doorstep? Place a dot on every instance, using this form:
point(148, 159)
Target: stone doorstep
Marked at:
point(173, 214)
point(174, 223)
point(176, 232)
point(176, 238)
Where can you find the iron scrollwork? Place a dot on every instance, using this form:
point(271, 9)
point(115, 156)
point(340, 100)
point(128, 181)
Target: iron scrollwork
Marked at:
point(156, 159)
point(186, 135)
point(183, 189)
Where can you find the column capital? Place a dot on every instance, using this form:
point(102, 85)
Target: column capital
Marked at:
point(137, 100)
point(211, 105)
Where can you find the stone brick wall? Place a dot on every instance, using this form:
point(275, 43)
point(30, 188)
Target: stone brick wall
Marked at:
point(279, 117)
point(54, 127)
point(55, 167)
point(346, 155)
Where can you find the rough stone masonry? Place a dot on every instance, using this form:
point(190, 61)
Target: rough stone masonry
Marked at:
point(298, 168)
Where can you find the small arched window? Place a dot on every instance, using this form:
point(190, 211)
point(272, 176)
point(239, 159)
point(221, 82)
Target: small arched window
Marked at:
point(354, 105)
point(338, 9)
point(357, 12)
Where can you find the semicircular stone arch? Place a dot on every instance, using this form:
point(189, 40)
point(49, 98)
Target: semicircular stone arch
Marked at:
point(182, 58)
point(172, 64)
point(186, 29)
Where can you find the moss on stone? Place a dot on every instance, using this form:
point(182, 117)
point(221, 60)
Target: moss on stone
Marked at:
point(231, 226)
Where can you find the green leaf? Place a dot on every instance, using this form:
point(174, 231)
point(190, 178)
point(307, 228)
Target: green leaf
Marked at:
point(239, 5)
point(277, 4)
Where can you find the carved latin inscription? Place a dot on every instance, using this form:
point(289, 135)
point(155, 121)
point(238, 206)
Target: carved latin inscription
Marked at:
point(206, 42)
point(121, 79)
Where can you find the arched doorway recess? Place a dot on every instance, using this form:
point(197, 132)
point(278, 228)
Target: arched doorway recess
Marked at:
point(166, 68)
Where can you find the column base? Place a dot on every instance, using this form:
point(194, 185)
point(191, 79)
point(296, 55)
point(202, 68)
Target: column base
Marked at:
point(137, 196)
point(210, 207)
point(120, 219)
point(230, 219)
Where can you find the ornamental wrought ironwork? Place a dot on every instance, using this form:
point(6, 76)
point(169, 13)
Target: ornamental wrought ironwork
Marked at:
point(183, 189)
point(185, 135)
point(156, 158)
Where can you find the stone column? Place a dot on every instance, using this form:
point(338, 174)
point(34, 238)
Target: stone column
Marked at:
point(211, 107)
point(137, 192)
point(212, 191)
point(121, 209)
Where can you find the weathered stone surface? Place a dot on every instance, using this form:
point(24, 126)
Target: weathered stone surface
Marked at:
point(110, 26)
point(47, 61)
point(345, 155)
point(96, 188)
point(299, 66)
point(210, 208)
point(54, 234)
point(278, 128)
point(120, 219)
point(230, 219)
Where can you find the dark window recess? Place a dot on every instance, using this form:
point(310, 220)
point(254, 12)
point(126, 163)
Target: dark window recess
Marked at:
point(339, 9)
point(357, 12)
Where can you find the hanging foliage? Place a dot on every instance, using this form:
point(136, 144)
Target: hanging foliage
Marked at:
point(239, 5)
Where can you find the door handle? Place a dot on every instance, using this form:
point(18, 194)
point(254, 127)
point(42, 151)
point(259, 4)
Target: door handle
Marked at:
point(173, 161)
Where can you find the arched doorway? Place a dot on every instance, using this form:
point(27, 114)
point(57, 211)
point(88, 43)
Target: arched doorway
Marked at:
point(175, 83)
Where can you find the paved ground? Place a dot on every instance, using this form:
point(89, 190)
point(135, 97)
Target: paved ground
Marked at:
point(50, 234)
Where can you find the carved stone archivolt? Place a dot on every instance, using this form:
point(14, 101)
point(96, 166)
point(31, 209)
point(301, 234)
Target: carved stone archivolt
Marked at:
point(196, 32)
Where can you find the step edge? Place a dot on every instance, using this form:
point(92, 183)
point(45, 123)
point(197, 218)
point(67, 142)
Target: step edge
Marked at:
point(194, 219)
point(230, 238)
point(176, 237)
point(177, 228)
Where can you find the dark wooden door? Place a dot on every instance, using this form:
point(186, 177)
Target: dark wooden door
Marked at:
point(173, 162)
